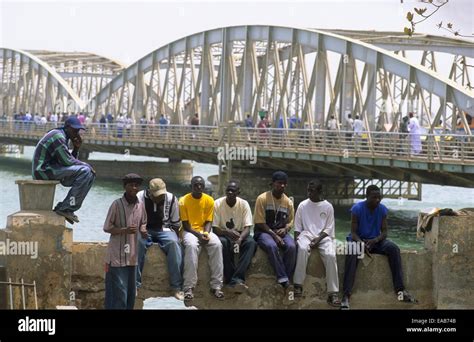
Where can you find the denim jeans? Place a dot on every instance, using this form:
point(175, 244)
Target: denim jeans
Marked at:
point(385, 247)
point(283, 260)
point(79, 178)
point(169, 243)
point(236, 274)
point(120, 290)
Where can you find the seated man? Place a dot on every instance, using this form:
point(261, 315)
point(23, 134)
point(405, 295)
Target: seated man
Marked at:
point(314, 228)
point(369, 226)
point(163, 225)
point(53, 161)
point(196, 210)
point(232, 222)
point(273, 220)
point(125, 220)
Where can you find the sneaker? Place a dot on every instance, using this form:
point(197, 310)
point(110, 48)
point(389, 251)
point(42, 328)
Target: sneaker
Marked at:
point(188, 294)
point(179, 295)
point(345, 305)
point(333, 300)
point(68, 215)
point(240, 288)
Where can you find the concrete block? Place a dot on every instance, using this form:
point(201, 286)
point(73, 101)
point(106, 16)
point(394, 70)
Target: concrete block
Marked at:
point(36, 194)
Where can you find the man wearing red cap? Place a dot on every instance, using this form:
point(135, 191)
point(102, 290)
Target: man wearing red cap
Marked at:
point(52, 160)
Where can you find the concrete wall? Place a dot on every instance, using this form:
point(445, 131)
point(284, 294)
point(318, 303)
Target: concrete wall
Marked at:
point(452, 243)
point(50, 268)
point(373, 287)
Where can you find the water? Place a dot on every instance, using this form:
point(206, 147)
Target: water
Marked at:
point(401, 220)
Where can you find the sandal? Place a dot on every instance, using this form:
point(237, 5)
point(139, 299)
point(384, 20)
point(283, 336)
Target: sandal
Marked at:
point(188, 294)
point(217, 293)
point(406, 297)
point(333, 300)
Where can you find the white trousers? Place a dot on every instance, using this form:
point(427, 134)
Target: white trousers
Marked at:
point(192, 249)
point(327, 251)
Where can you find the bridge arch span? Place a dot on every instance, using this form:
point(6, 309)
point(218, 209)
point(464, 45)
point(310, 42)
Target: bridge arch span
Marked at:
point(227, 73)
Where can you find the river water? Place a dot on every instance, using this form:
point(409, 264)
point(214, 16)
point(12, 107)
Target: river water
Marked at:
point(402, 217)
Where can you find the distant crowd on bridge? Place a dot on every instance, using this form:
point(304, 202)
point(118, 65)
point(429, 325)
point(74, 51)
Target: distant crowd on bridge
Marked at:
point(352, 135)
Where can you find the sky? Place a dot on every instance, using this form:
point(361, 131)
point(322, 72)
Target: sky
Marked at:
point(126, 30)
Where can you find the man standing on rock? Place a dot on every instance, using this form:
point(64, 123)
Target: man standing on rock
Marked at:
point(125, 220)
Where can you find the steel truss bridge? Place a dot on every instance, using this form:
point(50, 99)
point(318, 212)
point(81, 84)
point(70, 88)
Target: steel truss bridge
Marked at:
point(307, 75)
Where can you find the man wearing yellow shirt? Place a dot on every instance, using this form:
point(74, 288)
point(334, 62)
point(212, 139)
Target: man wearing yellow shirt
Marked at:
point(196, 211)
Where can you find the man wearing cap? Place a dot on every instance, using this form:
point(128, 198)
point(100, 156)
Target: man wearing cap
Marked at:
point(196, 212)
point(125, 220)
point(52, 160)
point(163, 225)
point(273, 218)
point(232, 222)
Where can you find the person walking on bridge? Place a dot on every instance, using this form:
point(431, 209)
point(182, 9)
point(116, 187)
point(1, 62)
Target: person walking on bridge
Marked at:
point(52, 160)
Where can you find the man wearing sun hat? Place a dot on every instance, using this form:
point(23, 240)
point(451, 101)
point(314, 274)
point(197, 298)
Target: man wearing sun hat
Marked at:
point(163, 223)
point(52, 160)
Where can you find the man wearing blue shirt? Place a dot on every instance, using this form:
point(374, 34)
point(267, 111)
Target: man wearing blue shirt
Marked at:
point(369, 225)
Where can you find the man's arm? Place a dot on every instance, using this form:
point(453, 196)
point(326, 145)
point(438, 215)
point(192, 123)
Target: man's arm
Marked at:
point(354, 226)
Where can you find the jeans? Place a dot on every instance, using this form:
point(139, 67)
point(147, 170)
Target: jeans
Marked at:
point(283, 260)
point(120, 290)
point(79, 178)
point(385, 247)
point(169, 243)
point(233, 274)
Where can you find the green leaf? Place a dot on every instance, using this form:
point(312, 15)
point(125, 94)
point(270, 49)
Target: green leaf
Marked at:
point(407, 31)
point(409, 16)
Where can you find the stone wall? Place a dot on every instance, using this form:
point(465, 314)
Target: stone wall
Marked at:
point(451, 241)
point(373, 287)
point(50, 268)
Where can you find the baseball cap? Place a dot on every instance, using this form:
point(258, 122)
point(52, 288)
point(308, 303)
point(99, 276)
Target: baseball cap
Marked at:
point(73, 122)
point(157, 187)
point(279, 176)
point(132, 177)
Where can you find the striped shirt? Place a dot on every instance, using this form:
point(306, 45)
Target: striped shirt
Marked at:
point(122, 249)
point(52, 152)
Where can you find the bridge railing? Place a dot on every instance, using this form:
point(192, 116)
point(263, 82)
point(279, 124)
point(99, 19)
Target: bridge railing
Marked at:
point(442, 148)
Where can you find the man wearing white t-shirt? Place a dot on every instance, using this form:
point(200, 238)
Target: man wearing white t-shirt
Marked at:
point(232, 222)
point(314, 228)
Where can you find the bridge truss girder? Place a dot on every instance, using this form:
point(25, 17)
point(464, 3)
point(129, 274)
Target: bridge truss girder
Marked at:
point(227, 73)
point(29, 84)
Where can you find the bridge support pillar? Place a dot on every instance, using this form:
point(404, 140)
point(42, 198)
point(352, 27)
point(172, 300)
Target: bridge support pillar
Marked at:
point(255, 181)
